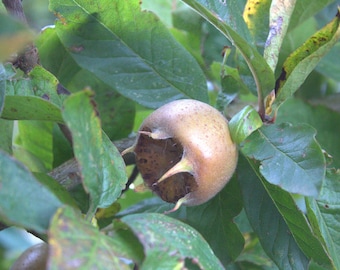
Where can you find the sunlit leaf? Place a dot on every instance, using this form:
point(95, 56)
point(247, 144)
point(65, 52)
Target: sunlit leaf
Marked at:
point(244, 123)
point(30, 108)
point(35, 137)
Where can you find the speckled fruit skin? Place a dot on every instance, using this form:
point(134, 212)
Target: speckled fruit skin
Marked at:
point(34, 258)
point(187, 130)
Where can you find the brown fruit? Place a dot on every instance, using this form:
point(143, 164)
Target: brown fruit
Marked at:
point(34, 258)
point(184, 152)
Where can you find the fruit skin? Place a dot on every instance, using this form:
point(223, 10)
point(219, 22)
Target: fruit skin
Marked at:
point(34, 258)
point(206, 150)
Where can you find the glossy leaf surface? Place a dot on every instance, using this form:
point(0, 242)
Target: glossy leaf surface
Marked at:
point(153, 230)
point(283, 230)
point(102, 167)
point(289, 156)
point(244, 123)
point(296, 111)
point(127, 49)
point(222, 209)
point(30, 108)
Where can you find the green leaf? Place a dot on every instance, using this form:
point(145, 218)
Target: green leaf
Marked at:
point(304, 9)
point(222, 235)
point(324, 213)
point(2, 87)
point(46, 85)
point(13, 36)
point(175, 240)
point(244, 123)
point(328, 65)
point(162, 8)
point(35, 137)
point(262, 73)
point(256, 15)
point(127, 49)
point(75, 243)
point(302, 61)
point(189, 32)
point(102, 167)
point(60, 63)
point(24, 201)
point(215, 221)
point(30, 108)
point(57, 189)
point(296, 112)
point(62, 148)
point(40, 83)
point(267, 222)
point(290, 157)
point(232, 84)
point(6, 131)
point(296, 221)
point(115, 110)
point(229, 12)
point(127, 240)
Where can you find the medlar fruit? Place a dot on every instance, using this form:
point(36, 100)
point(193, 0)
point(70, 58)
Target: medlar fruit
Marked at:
point(184, 152)
point(34, 258)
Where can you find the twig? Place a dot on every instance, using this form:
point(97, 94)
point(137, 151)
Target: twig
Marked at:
point(14, 7)
point(132, 178)
point(68, 173)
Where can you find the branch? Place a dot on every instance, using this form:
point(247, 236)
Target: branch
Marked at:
point(14, 7)
point(68, 173)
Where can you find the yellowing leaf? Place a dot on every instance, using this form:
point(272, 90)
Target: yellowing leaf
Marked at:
point(301, 62)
